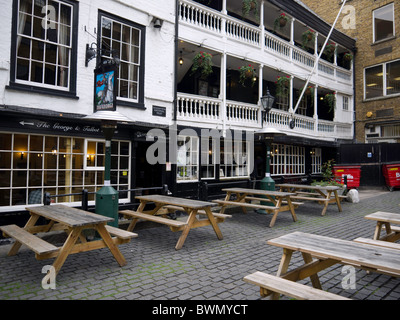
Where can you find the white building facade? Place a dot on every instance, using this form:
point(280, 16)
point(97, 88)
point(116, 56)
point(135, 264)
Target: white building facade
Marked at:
point(47, 88)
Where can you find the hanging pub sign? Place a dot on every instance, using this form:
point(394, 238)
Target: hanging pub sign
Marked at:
point(104, 88)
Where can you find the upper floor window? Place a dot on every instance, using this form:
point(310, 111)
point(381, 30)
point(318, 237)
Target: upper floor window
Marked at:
point(382, 80)
point(43, 52)
point(126, 40)
point(384, 22)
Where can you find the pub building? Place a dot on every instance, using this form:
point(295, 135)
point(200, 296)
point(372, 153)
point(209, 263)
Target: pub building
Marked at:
point(49, 90)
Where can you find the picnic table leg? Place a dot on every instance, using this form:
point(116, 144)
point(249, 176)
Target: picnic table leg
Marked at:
point(101, 229)
point(185, 232)
point(283, 267)
point(326, 204)
point(66, 248)
point(337, 200)
point(214, 223)
point(314, 278)
point(17, 245)
point(291, 207)
point(276, 211)
point(378, 228)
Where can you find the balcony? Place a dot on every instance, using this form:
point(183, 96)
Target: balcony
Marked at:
point(220, 102)
point(196, 110)
point(224, 26)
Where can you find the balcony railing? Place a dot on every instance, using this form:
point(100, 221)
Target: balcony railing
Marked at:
point(226, 26)
point(205, 110)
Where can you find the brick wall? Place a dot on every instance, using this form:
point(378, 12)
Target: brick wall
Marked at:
point(368, 53)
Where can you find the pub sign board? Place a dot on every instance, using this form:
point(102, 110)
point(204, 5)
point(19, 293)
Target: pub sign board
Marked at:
point(105, 79)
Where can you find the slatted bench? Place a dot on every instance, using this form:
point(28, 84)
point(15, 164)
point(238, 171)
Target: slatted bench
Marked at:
point(386, 220)
point(36, 244)
point(221, 216)
point(270, 284)
point(296, 204)
point(175, 225)
point(246, 204)
point(120, 233)
point(380, 243)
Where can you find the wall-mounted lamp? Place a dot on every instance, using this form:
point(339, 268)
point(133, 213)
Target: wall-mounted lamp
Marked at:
point(54, 150)
point(22, 155)
point(157, 22)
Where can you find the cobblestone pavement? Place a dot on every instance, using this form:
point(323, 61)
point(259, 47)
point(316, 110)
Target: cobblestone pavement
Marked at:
point(205, 268)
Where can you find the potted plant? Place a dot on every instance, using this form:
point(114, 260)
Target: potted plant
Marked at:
point(282, 83)
point(308, 37)
point(330, 50)
point(202, 62)
point(250, 6)
point(281, 21)
point(348, 56)
point(247, 73)
point(330, 99)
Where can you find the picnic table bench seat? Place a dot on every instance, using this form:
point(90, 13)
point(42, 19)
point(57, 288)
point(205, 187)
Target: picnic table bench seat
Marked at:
point(381, 243)
point(154, 218)
point(215, 214)
point(120, 233)
point(36, 244)
point(267, 200)
point(246, 204)
point(270, 284)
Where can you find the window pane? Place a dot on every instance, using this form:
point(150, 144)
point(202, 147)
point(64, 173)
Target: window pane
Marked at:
point(5, 141)
point(5, 160)
point(374, 82)
point(5, 179)
point(4, 197)
point(22, 69)
point(36, 143)
point(383, 22)
point(19, 178)
point(35, 178)
point(393, 77)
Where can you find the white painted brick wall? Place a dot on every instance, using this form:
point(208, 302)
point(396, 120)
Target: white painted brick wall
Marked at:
point(159, 58)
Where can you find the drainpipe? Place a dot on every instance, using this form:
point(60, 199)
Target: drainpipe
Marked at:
point(176, 60)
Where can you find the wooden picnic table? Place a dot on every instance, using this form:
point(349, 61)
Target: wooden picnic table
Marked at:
point(322, 194)
point(280, 201)
point(330, 251)
point(168, 204)
point(385, 219)
point(74, 222)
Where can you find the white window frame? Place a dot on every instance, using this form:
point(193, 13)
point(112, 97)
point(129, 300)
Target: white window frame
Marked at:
point(346, 103)
point(93, 168)
point(130, 63)
point(187, 159)
point(44, 41)
point(56, 187)
point(316, 160)
point(384, 83)
point(287, 160)
point(373, 23)
point(238, 170)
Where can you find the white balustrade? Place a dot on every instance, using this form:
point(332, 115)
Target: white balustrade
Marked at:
point(198, 108)
point(243, 114)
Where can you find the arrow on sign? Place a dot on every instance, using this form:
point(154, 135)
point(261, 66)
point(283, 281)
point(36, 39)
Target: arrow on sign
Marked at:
point(28, 123)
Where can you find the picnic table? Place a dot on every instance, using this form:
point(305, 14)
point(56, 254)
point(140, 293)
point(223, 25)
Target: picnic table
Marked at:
point(74, 222)
point(322, 194)
point(385, 219)
point(167, 204)
point(280, 201)
point(321, 252)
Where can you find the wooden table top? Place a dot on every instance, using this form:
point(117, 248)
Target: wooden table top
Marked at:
point(306, 186)
point(259, 192)
point(384, 217)
point(71, 217)
point(182, 202)
point(343, 251)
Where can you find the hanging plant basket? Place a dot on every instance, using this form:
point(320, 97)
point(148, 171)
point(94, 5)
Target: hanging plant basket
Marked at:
point(307, 38)
point(330, 99)
point(250, 6)
point(202, 62)
point(348, 57)
point(247, 75)
point(330, 50)
point(281, 21)
point(282, 83)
